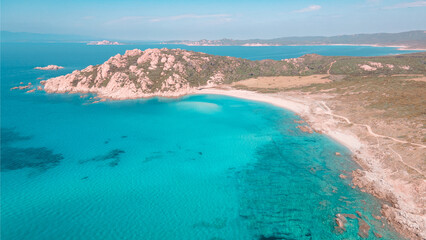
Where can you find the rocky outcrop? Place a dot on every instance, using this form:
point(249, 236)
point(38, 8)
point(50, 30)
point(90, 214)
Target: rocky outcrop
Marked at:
point(406, 218)
point(49, 67)
point(136, 74)
point(23, 87)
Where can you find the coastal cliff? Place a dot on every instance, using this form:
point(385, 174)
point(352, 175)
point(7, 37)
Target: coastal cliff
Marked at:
point(176, 72)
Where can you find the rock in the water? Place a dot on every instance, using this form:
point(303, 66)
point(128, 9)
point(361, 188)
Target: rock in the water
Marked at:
point(363, 228)
point(49, 67)
point(340, 221)
point(378, 235)
point(351, 216)
point(305, 128)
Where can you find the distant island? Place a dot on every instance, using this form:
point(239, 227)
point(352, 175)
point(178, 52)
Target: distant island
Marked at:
point(49, 67)
point(104, 42)
point(404, 40)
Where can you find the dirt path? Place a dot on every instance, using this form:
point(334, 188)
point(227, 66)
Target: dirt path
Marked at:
point(331, 65)
point(328, 111)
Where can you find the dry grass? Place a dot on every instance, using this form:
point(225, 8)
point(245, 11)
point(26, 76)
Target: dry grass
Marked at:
point(281, 82)
point(394, 105)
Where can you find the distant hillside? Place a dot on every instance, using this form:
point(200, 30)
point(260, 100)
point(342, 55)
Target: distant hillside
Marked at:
point(176, 72)
point(412, 39)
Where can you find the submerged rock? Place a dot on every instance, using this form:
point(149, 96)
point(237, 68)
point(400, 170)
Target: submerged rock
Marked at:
point(113, 155)
point(305, 128)
point(18, 158)
point(351, 216)
point(270, 238)
point(378, 235)
point(28, 86)
point(15, 158)
point(363, 228)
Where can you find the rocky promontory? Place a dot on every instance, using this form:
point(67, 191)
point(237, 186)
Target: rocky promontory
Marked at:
point(177, 72)
point(159, 72)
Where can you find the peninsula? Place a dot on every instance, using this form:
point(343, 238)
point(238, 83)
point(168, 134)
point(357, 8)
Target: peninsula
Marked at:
point(373, 105)
point(403, 40)
point(175, 72)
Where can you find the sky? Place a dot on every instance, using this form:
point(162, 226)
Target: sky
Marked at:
point(202, 19)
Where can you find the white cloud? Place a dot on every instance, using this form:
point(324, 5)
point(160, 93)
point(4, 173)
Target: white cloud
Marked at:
point(309, 9)
point(408, 5)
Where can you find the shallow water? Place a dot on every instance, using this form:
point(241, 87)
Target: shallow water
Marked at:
point(200, 167)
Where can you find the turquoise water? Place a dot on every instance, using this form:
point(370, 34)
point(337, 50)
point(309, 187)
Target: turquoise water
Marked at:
point(200, 167)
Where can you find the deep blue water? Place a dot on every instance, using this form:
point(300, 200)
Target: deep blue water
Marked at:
point(200, 167)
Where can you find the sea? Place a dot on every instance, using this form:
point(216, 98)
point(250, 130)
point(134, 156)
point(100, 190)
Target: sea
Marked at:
point(198, 167)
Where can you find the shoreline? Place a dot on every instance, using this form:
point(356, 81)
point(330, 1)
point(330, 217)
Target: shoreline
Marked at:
point(299, 108)
point(399, 47)
point(371, 178)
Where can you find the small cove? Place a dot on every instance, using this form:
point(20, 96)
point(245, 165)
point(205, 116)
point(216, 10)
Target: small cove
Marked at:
point(199, 167)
